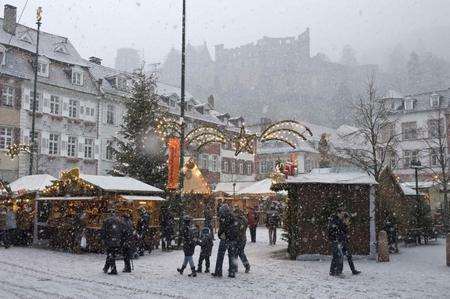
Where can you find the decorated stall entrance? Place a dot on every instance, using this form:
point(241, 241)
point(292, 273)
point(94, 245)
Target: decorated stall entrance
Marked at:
point(72, 209)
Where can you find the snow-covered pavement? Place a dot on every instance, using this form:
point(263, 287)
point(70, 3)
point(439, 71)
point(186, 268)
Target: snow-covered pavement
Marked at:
point(417, 272)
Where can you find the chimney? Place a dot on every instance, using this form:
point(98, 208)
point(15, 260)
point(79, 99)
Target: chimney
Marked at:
point(211, 101)
point(95, 60)
point(9, 21)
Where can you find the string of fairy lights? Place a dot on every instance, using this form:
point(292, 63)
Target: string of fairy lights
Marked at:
point(15, 149)
point(286, 131)
point(69, 182)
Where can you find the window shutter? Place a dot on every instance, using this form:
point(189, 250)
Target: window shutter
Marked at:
point(44, 142)
point(104, 143)
point(46, 105)
point(104, 110)
point(64, 141)
point(81, 147)
point(96, 149)
point(17, 99)
point(16, 135)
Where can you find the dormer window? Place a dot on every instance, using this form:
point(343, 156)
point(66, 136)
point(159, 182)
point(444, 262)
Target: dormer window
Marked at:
point(43, 66)
point(25, 37)
point(77, 76)
point(435, 101)
point(410, 104)
point(61, 48)
point(119, 82)
point(2, 55)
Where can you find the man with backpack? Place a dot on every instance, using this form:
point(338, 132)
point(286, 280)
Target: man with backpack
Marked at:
point(190, 240)
point(112, 234)
point(206, 244)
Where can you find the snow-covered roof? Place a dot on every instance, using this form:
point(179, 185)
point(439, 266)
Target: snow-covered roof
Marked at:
point(261, 187)
point(421, 184)
point(354, 178)
point(119, 184)
point(32, 183)
point(228, 187)
point(408, 191)
point(142, 198)
point(393, 94)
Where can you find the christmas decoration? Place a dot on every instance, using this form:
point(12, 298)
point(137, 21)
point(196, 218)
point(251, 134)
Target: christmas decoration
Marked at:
point(15, 149)
point(173, 146)
point(69, 183)
point(194, 182)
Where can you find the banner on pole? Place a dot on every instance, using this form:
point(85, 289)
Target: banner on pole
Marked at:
point(174, 163)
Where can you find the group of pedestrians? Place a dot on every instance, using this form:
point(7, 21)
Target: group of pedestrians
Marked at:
point(338, 237)
point(8, 226)
point(120, 238)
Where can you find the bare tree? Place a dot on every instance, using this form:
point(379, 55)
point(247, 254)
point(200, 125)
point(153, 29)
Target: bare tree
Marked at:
point(435, 139)
point(375, 136)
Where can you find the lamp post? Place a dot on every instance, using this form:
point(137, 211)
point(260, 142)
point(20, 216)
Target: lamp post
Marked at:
point(35, 65)
point(416, 165)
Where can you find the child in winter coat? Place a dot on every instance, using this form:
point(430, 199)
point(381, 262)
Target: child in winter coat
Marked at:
point(206, 244)
point(190, 240)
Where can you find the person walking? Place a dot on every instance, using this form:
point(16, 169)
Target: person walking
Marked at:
point(345, 244)
point(127, 242)
point(167, 223)
point(252, 220)
point(112, 235)
point(143, 230)
point(190, 240)
point(228, 236)
point(335, 236)
point(11, 226)
point(391, 230)
point(206, 244)
point(242, 239)
point(273, 219)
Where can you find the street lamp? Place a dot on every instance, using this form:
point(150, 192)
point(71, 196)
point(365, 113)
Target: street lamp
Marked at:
point(33, 116)
point(416, 165)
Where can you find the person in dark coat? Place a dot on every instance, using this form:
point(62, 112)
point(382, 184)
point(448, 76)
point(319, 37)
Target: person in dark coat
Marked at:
point(391, 230)
point(252, 220)
point(228, 234)
point(167, 223)
point(3, 228)
point(345, 244)
point(11, 226)
point(273, 219)
point(143, 230)
point(127, 242)
point(242, 239)
point(190, 240)
point(206, 244)
point(335, 236)
point(111, 235)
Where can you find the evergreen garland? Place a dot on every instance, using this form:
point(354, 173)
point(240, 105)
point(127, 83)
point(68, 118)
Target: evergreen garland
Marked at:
point(139, 152)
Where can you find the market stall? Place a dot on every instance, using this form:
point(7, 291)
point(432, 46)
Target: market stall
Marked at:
point(72, 209)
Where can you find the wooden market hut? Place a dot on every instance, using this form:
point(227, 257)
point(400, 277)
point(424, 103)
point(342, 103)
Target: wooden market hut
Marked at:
point(76, 205)
point(314, 197)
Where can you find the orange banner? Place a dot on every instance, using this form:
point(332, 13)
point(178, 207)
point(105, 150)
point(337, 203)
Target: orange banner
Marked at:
point(174, 163)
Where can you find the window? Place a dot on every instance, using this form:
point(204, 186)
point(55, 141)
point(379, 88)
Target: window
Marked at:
point(409, 130)
point(6, 137)
point(92, 111)
point(233, 166)
point(54, 105)
point(435, 128)
point(109, 150)
point(110, 114)
point(72, 146)
point(409, 156)
point(410, 104)
point(213, 163)
point(249, 168)
point(89, 148)
point(43, 66)
point(388, 132)
point(77, 78)
point(73, 106)
point(36, 140)
point(434, 157)
point(241, 168)
point(225, 166)
point(60, 48)
point(122, 83)
point(435, 100)
point(38, 99)
point(203, 161)
point(53, 143)
point(8, 96)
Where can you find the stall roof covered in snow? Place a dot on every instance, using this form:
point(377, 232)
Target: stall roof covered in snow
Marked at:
point(32, 183)
point(355, 178)
point(228, 187)
point(261, 187)
point(408, 191)
point(119, 184)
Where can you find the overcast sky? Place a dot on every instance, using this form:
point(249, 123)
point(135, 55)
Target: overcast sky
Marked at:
point(98, 28)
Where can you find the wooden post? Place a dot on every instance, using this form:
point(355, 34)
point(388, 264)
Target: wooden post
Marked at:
point(383, 247)
point(35, 226)
point(448, 249)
